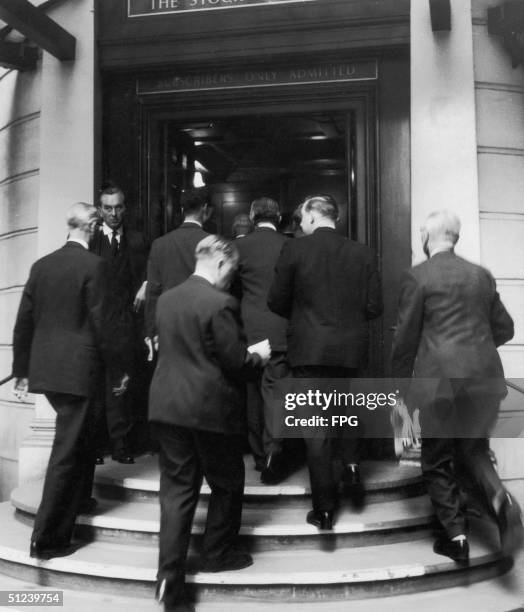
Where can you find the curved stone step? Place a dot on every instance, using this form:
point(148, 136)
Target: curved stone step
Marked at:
point(383, 480)
point(283, 575)
point(263, 528)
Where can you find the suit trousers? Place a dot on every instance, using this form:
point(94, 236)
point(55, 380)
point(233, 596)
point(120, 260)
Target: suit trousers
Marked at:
point(260, 417)
point(69, 477)
point(113, 415)
point(320, 449)
point(186, 455)
point(448, 459)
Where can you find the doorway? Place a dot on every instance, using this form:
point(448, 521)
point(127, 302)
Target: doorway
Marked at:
point(240, 158)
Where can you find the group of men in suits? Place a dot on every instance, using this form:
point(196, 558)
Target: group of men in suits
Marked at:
point(306, 305)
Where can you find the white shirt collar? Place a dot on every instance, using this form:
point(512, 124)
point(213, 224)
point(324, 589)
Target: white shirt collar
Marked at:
point(195, 221)
point(441, 249)
point(267, 224)
point(79, 241)
point(109, 232)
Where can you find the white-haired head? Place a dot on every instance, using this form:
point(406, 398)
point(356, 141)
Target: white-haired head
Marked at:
point(80, 214)
point(441, 231)
point(216, 260)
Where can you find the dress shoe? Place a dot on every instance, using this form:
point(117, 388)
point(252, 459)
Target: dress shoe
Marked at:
point(181, 604)
point(322, 520)
point(50, 552)
point(88, 506)
point(353, 485)
point(458, 550)
point(509, 521)
point(123, 456)
point(273, 471)
point(99, 460)
point(226, 563)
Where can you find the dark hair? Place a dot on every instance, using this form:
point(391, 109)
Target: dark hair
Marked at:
point(241, 225)
point(265, 209)
point(110, 188)
point(194, 200)
point(324, 204)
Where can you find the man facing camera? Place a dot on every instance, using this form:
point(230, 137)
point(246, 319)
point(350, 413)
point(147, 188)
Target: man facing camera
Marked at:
point(58, 338)
point(450, 322)
point(195, 407)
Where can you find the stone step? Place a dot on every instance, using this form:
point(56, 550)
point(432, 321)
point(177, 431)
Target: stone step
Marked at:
point(284, 575)
point(263, 528)
point(383, 480)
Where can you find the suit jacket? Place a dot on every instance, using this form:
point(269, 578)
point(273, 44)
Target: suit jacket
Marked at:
point(171, 262)
point(450, 322)
point(135, 246)
point(201, 361)
point(259, 252)
point(329, 288)
point(59, 330)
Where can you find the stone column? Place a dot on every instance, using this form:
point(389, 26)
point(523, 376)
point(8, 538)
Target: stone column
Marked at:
point(443, 124)
point(67, 125)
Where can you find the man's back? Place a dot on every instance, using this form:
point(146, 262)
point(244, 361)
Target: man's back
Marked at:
point(171, 262)
point(63, 302)
point(201, 352)
point(258, 254)
point(329, 288)
point(455, 311)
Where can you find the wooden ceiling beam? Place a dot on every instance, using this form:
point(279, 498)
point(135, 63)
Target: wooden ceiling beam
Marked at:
point(18, 56)
point(40, 29)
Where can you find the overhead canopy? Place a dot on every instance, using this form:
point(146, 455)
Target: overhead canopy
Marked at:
point(37, 29)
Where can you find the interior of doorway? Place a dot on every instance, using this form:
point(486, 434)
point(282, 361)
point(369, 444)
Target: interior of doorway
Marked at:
point(239, 158)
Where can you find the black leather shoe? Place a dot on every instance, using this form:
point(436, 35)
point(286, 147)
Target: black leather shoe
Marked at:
point(273, 471)
point(123, 456)
point(88, 506)
point(164, 594)
point(509, 521)
point(227, 563)
point(99, 460)
point(46, 553)
point(322, 520)
point(353, 485)
point(458, 550)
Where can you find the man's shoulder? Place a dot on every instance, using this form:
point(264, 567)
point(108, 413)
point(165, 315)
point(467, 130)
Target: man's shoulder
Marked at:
point(260, 239)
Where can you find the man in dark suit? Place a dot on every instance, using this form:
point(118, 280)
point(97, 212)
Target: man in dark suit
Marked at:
point(258, 254)
point(58, 337)
point(125, 252)
point(172, 257)
point(329, 288)
point(196, 413)
point(450, 322)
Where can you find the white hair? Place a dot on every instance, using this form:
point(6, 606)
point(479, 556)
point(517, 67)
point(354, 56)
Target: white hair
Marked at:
point(212, 245)
point(80, 214)
point(442, 226)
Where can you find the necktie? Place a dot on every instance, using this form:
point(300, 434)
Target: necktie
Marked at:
point(114, 244)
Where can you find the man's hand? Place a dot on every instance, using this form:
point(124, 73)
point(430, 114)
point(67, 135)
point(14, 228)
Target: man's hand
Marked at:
point(20, 388)
point(152, 346)
point(262, 349)
point(140, 297)
point(122, 387)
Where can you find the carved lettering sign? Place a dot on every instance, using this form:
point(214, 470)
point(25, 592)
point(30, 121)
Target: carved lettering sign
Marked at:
point(143, 8)
point(364, 70)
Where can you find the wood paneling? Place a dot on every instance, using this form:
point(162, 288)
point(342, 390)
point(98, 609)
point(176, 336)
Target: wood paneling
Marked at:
point(17, 254)
point(500, 118)
point(20, 147)
point(19, 204)
point(501, 182)
point(255, 32)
